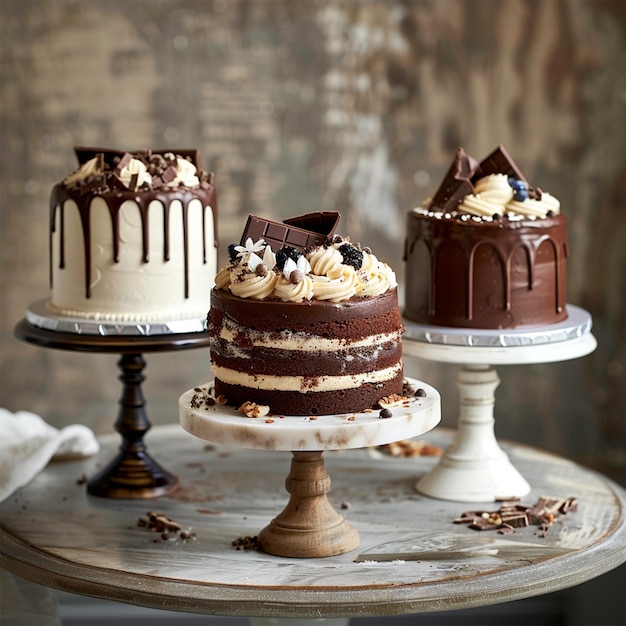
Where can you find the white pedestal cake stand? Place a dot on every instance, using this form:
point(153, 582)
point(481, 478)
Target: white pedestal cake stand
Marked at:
point(474, 468)
point(308, 526)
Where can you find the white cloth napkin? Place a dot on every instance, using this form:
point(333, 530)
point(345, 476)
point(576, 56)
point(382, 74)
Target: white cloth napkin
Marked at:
point(28, 443)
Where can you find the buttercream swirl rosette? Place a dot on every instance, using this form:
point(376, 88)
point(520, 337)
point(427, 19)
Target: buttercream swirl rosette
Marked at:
point(336, 271)
point(497, 194)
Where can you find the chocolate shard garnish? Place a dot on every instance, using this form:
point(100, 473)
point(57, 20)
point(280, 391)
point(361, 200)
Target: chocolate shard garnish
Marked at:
point(93, 183)
point(116, 183)
point(498, 162)
point(322, 222)
point(456, 183)
point(132, 184)
point(123, 162)
point(302, 232)
point(169, 174)
point(86, 153)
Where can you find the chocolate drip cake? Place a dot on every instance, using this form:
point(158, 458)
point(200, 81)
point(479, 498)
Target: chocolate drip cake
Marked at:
point(133, 237)
point(309, 327)
point(487, 251)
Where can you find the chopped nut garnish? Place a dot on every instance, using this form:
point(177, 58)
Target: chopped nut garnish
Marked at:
point(390, 401)
point(252, 409)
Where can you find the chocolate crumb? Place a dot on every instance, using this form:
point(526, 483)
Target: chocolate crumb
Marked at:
point(246, 543)
point(168, 529)
point(385, 413)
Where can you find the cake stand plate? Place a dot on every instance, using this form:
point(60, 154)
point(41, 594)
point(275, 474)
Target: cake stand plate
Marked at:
point(308, 526)
point(474, 468)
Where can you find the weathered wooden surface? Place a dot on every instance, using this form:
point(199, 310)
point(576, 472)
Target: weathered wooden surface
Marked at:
point(55, 534)
point(354, 106)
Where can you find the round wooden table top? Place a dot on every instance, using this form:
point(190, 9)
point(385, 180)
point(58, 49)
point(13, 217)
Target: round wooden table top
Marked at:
point(412, 557)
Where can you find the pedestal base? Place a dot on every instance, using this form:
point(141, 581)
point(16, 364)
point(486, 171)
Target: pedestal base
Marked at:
point(474, 468)
point(308, 526)
point(470, 480)
point(131, 475)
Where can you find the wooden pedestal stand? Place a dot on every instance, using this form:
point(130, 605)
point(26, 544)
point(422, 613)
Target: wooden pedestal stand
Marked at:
point(308, 526)
point(474, 468)
point(133, 473)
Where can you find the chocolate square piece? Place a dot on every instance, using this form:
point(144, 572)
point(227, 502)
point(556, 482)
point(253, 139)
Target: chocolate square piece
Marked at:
point(305, 231)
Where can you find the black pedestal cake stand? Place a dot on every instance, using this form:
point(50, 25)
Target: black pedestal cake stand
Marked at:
point(133, 473)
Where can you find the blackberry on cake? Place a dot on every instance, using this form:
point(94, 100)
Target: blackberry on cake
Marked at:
point(487, 251)
point(305, 322)
point(133, 236)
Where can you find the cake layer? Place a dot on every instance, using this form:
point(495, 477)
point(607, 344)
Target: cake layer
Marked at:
point(476, 273)
point(275, 315)
point(335, 402)
point(274, 352)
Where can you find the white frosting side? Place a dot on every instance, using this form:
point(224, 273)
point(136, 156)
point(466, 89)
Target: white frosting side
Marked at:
point(132, 290)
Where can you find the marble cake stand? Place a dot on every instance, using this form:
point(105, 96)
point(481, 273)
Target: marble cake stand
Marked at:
point(132, 473)
point(308, 526)
point(474, 468)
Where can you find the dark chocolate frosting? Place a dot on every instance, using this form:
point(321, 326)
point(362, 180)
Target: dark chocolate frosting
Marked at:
point(485, 274)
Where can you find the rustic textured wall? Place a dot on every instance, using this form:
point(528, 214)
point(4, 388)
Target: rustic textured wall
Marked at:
point(297, 106)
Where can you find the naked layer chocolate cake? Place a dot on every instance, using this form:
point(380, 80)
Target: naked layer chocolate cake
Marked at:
point(133, 237)
point(304, 322)
point(487, 251)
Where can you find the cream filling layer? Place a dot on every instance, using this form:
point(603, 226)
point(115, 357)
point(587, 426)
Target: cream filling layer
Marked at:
point(302, 342)
point(305, 384)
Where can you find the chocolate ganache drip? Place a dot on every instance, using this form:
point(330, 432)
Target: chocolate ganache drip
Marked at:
point(141, 177)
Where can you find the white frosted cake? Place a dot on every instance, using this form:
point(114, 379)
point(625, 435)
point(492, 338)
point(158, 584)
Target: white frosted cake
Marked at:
point(133, 237)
